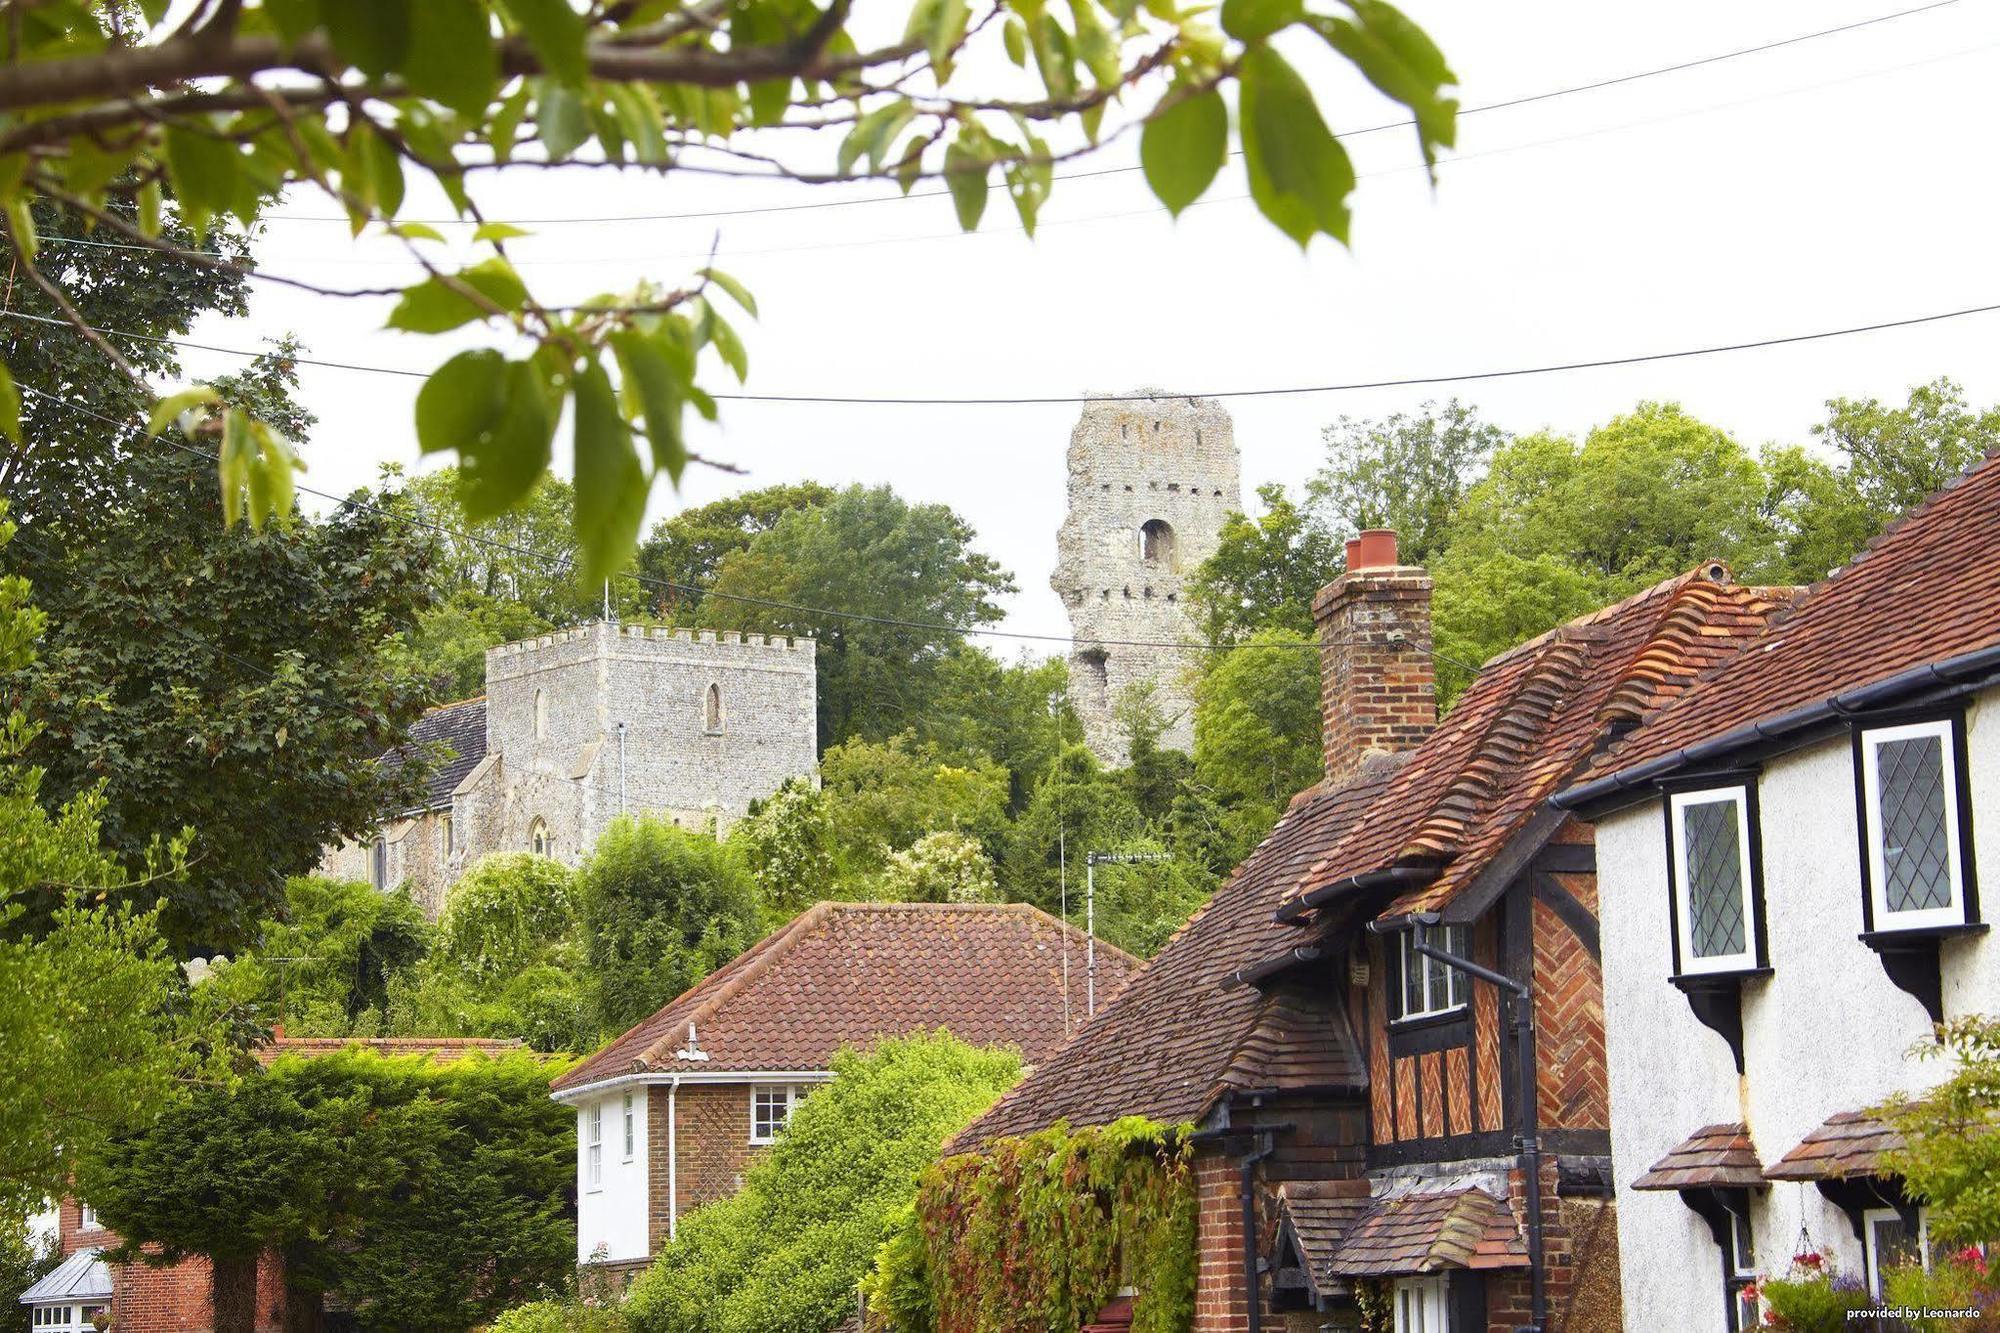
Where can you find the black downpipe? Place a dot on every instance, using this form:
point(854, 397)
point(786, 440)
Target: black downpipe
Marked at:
point(1252, 1298)
point(1523, 999)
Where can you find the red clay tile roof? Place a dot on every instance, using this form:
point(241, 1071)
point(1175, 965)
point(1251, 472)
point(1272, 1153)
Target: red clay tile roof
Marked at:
point(1176, 1039)
point(1422, 1231)
point(1319, 1212)
point(1717, 1155)
point(1927, 589)
point(848, 973)
point(444, 1050)
point(1849, 1144)
point(1531, 722)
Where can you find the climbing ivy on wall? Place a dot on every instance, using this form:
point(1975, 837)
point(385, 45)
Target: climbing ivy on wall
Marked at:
point(1039, 1232)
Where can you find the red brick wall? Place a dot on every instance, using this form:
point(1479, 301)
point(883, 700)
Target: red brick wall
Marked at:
point(1580, 1256)
point(1569, 1019)
point(173, 1299)
point(1377, 691)
point(712, 1137)
point(1219, 1304)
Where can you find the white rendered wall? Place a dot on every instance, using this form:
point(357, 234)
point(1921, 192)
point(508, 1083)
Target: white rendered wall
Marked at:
point(1827, 1032)
point(614, 1214)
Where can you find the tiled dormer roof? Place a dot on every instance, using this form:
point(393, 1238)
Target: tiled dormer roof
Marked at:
point(1924, 592)
point(1714, 1155)
point(849, 973)
point(460, 729)
point(1528, 724)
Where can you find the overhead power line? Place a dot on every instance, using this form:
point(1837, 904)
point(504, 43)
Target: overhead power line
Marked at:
point(1347, 386)
point(1528, 99)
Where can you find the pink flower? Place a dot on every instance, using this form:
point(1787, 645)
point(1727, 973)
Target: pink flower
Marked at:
point(1812, 1259)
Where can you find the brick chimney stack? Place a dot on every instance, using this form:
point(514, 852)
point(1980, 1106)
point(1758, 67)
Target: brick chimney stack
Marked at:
point(1376, 688)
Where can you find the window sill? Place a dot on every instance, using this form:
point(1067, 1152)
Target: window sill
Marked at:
point(1887, 937)
point(1418, 1022)
point(1713, 981)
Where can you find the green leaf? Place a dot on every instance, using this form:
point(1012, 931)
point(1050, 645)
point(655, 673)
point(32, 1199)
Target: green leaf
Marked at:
point(737, 291)
point(149, 207)
point(10, 406)
point(1015, 37)
point(1299, 173)
point(729, 347)
point(499, 465)
point(1094, 44)
point(452, 55)
point(415, 231)
point(498, 231)
point(556, 32)
point(1254, 20)
point(560, 119)
point(1396, 56)
point(657, 374)
point(507, 121)
point(376, 172)
point(21, 224)
point(947, 30)
point(610, 484)
point(203, 167)
point(168, 410)
point(1183, 146)
point(372, 35)
point(639, 119)
point(461, 401)
point(268, 474)
point(433, 307)
point(965, 175)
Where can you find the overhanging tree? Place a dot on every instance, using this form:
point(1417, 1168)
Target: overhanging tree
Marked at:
point(226, 103)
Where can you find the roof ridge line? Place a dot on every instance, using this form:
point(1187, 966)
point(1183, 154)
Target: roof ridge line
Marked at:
point(1610, 612)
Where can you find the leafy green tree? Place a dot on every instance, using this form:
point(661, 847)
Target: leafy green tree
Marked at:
point(1265, 570)
point(189, 667)
point(1014, 713)
point(687, 550)
point(424, 1197)
point(505, 911)
point(662, 908)
point(1887, 459)
point(96, 1033)
point(116, 103)
point(1153, 775)
point(1951, 1160)
point(788, 1250)
point(1257, 728)
point(1078, 807)
point(447, 644)
point(1406, 471)
point(939, 868)
point(328, 959)
point(885, 795)
point(1140, 904)
point(24, 1260)
point(788, 842)
point(870, 553)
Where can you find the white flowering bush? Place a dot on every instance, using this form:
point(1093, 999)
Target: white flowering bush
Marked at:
point(940, 868)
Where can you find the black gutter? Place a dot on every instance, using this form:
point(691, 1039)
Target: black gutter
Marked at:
point(1393, 877)
point(1530, 1114)
point(1256, 972)
point(1960, 674)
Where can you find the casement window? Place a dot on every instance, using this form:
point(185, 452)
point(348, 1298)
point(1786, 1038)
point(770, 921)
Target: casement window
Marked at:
point(88, 1221)
point(1426, 987)
point(1714, 880)
point(1740, 1272)
point(1912, 842)
point(55, 1316)
point(593, 1146)
point(1892, 1244)
point(631, 1116)
point(1420, 1306)
point(771, 1105)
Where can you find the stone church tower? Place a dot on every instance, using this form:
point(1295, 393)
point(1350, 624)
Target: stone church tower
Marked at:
point(1150, 482)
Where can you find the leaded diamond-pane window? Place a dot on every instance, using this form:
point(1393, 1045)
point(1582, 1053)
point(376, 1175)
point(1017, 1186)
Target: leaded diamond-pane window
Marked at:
point(1916, 855)
point(1911, 784)
point(1712, 880)
point(1715, 878)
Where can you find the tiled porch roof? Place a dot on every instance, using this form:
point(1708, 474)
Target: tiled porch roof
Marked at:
point(1713, 1156)
point(1848, 1145)
point(1423, 1231)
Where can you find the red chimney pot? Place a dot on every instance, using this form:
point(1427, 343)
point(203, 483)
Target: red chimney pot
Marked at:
point(1375, 548)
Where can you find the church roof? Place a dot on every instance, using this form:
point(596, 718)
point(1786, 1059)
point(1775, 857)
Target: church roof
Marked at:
point(846, 974)
point(460, 728)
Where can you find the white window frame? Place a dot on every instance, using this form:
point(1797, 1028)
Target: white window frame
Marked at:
point(1458, 986)
point(1872, 1261)
point(1952, 913)
point(1742, 1239)
point(792, 1099)
point(1677, 803)
point(87, 1219)
point(593, 1147)
point(630, 1119)
point(1419, 1305)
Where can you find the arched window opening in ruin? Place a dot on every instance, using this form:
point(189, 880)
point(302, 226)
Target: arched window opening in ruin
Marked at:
point(711, 709)
point(1156, 542)
point(538, 838)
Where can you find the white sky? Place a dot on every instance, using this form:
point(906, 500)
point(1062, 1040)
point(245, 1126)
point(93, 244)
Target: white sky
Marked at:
point(1839, 182)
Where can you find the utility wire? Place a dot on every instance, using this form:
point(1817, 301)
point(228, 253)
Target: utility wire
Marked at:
point(1525, 100)
point(559, 562)
point(1347, 386)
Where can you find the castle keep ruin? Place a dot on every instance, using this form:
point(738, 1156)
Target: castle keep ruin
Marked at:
point(1150, 482)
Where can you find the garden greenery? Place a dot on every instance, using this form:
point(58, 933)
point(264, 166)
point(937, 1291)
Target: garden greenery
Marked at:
point(1041, 1231)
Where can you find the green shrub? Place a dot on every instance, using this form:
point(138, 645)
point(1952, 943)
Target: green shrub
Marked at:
point(330, 961)
point(784, 1255)
point(1959, 1282)
point(504, 913)
point(1813, 1297)
point(662, 908)
point(560, 1317)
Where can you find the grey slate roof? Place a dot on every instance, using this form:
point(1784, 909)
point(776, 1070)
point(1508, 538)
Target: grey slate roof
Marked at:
point(462, 728)
point(81, 1277)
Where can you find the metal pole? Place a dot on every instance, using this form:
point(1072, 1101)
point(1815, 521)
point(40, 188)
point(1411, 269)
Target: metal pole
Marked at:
point(1090, 936)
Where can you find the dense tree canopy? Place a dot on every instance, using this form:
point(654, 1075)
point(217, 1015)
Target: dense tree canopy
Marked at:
point(682, 555)
point(328, 956)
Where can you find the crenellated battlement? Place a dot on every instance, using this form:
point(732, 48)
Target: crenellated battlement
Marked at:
point(722, 648)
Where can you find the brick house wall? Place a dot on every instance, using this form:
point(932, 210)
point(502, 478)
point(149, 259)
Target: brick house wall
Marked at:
point(1219, 1303)
point(712, 1137)
point(171, 1299)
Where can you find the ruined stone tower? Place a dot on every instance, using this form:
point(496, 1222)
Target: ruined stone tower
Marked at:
point(1150, 482)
